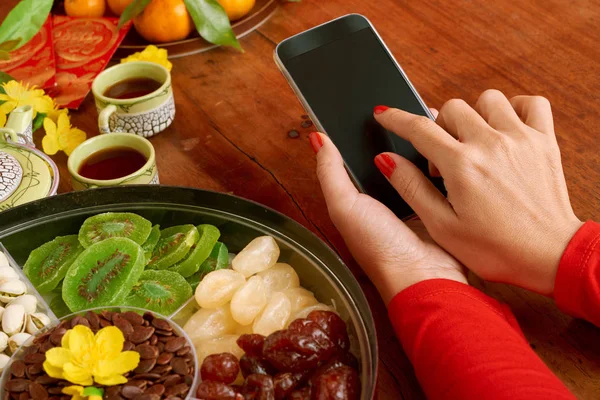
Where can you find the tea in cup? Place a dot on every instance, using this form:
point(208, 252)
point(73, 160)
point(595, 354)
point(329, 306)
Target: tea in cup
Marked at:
point(135, 97)
point(112, 160)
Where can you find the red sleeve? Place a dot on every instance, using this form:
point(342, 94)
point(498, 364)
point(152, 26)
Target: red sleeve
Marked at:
point(577, 286)
point(465, 345)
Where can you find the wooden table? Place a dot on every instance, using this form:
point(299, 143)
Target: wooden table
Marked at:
point(235, 113)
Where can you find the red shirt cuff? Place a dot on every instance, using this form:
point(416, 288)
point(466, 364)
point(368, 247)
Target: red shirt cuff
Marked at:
point(577, 286)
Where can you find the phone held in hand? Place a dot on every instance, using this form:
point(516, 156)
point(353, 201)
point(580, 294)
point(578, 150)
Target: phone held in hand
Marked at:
point(340, 71)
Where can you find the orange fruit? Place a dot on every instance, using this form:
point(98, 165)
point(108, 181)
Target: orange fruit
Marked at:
point(118, 6)
point(85, 8)
point(236, 9)
point(164, 21)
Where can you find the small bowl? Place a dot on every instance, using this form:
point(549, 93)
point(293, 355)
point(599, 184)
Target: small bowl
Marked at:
point(21, 352)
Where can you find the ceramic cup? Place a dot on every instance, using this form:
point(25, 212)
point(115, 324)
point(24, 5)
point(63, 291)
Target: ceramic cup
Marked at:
point(146, 115)
point(147, 175)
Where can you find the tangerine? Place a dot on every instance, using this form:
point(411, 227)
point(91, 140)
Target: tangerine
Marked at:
point(118, 6)
point(85, 8)
point(237, 9)
point(164, 21)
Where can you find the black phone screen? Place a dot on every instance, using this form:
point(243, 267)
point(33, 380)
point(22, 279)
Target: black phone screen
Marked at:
point(342, 81)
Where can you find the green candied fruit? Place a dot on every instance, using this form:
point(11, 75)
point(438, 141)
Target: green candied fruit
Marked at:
point(112, 225)
point(48, 264)
point(173, 246)
point(200, 251)
point(103, 274)
point(152, 241)
point(159, 291)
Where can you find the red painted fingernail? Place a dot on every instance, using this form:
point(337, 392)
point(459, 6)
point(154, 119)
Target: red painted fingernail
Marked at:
point(385, 164)
point(316, 141)
point(380, 109)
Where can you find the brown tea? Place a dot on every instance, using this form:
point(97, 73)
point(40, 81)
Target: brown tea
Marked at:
point(112, 163)
point(132, 88)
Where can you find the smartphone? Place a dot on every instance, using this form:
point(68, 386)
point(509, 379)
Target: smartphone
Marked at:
point(340, 71)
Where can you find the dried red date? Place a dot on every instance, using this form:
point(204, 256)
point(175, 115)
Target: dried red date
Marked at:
point(333, 326)
point(302, 394)
point(299, 349)
point(252, 344)
point(258, 387)
point(341, 383)
point(336, 361)
point(222, 367)
point(254, 365)
point(209, 390)
point(286, 382)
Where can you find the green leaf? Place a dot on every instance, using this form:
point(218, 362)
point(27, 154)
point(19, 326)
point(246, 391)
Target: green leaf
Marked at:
point(132, 11)
point(38, 121)
point(212, 22)
point(23, 22)
point(4, 77)
point(92, 391)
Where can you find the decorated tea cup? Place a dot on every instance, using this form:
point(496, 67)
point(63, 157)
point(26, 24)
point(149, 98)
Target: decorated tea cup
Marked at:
point(146, 115)
point(146, 175)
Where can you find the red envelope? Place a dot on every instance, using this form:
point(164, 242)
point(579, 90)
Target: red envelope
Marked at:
point(83, 48)
point(34, 63)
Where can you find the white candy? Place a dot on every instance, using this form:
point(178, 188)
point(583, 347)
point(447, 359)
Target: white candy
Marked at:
point(209, 324)
point(280, 277)
point(249, 301)
point(300, 298)
point(244, 330)
point(224, 344)
point(260, 254)
point(305, 311)
point(3, 260)
point(218, 287)
point(275, 315)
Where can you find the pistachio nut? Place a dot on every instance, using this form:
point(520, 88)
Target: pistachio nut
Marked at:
point(3, 260)
point(4, 359)
point(36, 321)
point(11, 289)
point(3, 341)
point(1, 312)
point(13, 319)
point(17, 341)
point(28, 301)
point(7, 273)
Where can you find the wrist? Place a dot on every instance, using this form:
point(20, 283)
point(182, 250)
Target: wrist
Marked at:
point(389, 285)
point(556, 246)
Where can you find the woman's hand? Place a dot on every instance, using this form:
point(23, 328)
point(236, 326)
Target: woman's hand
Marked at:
point(393, 256)
point(507, 216)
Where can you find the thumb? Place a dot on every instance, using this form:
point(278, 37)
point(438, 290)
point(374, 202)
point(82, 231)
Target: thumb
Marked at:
point(414, 187)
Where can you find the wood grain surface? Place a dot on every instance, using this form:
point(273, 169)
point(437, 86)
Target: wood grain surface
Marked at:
point(235, 112)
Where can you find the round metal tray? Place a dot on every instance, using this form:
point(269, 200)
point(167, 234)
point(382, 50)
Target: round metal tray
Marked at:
point(24, 228)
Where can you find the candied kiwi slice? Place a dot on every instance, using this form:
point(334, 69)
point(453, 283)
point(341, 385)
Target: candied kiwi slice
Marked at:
point(159, 291)
point(48, 264)
point(151, 242)
point(111, 225)
point(57, 304)
point(209, 234)
point(174, 244)
point(103, 274)
point(218, 259)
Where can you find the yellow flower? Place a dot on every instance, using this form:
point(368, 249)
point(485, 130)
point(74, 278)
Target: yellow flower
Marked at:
point(19, 94)
point(56, 112)
point(2, 119)
point(151, 54)
point(61, 136)
point(85, 358)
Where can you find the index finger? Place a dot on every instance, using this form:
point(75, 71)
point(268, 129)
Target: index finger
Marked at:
point(338, 189)
point(429, 139)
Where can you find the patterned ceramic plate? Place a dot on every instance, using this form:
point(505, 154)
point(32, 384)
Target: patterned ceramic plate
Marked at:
point(11, 175)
